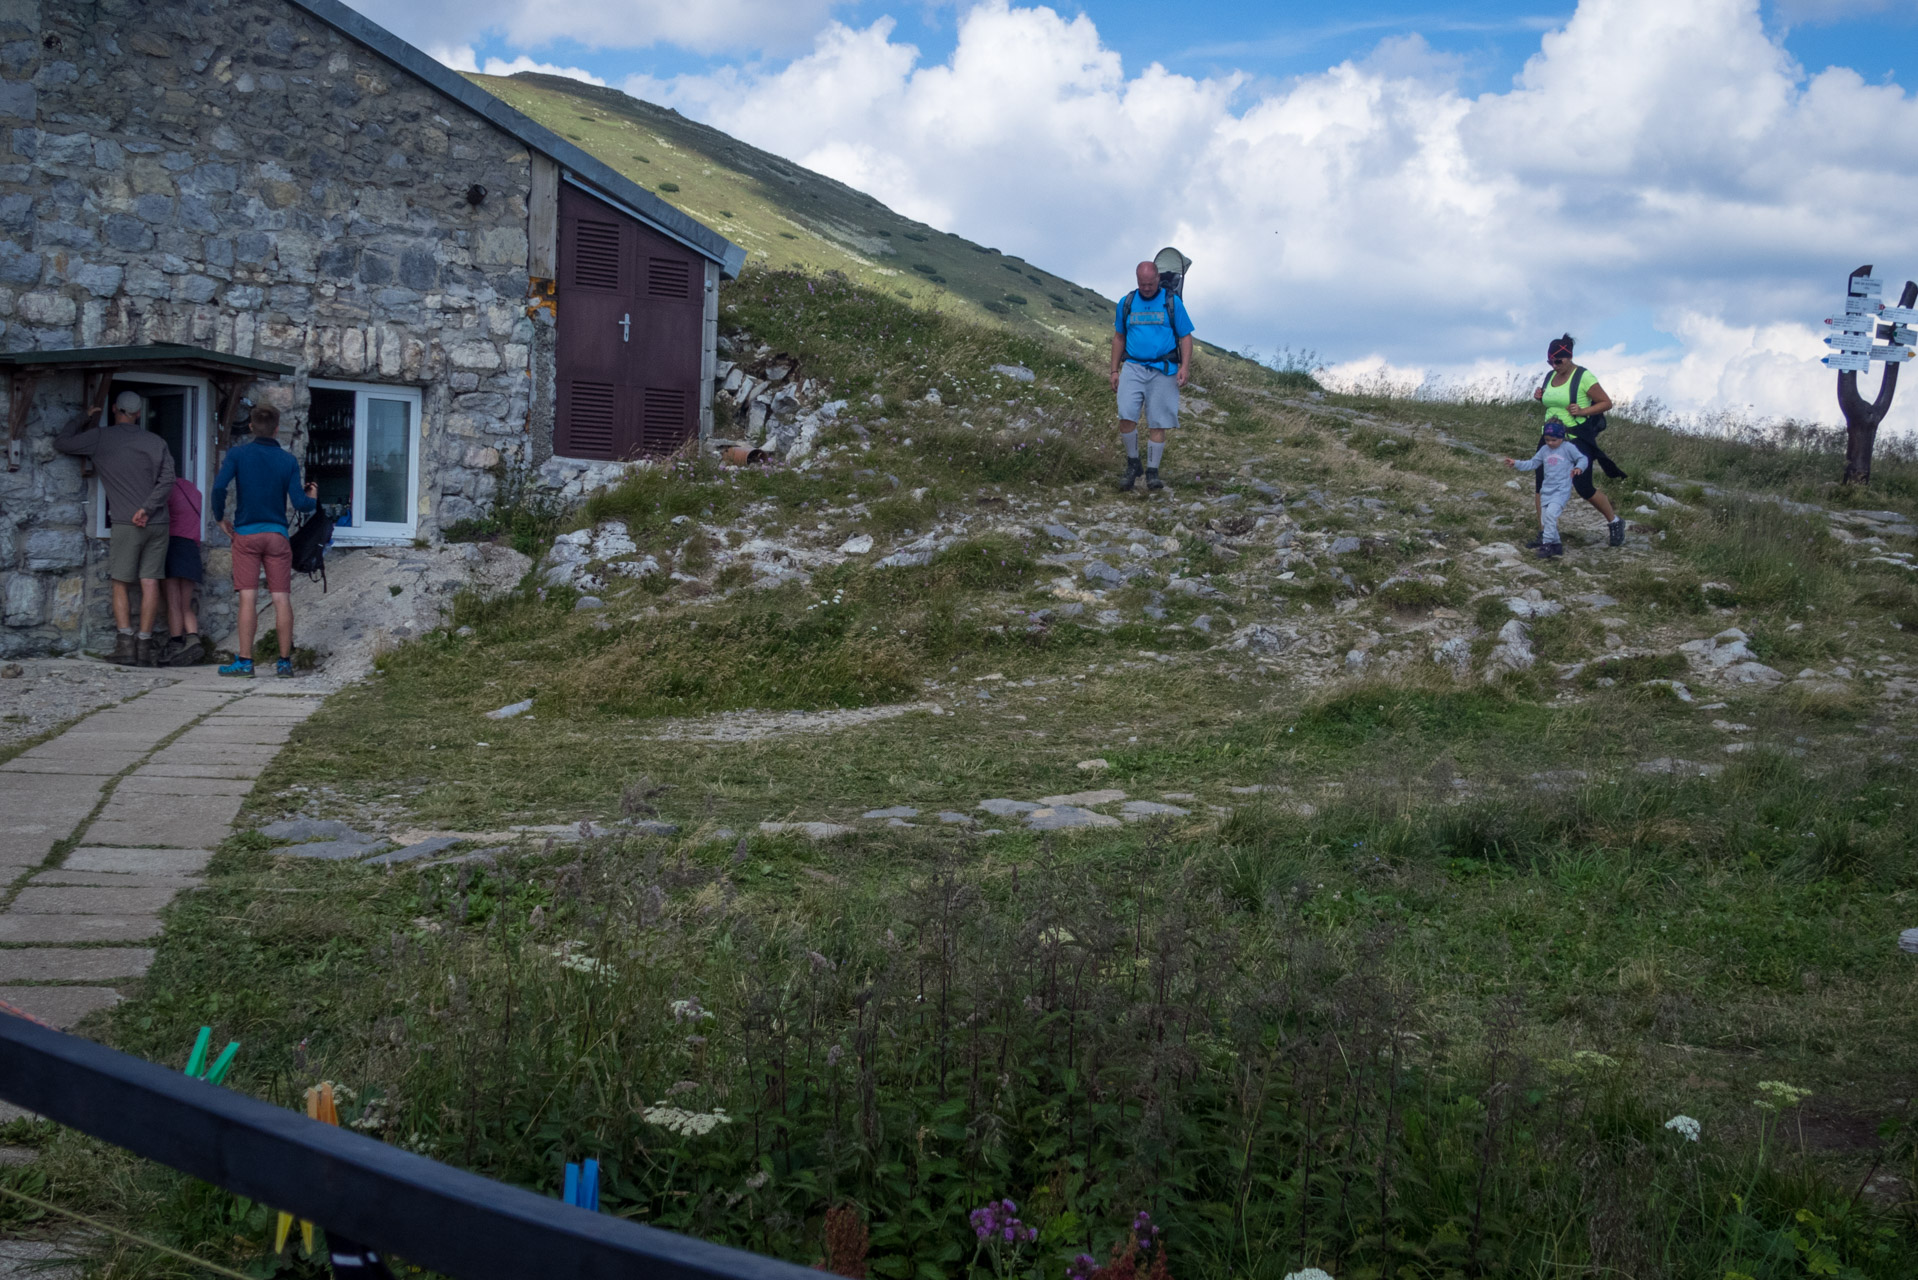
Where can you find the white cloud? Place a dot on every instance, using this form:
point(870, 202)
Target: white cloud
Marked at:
point(1654, 156)
point(707, 26)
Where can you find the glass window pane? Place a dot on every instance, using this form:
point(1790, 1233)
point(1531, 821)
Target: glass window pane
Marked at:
point(389, 430)
point(329, 451)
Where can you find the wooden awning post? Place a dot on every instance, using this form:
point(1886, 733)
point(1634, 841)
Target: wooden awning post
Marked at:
point(20, 399)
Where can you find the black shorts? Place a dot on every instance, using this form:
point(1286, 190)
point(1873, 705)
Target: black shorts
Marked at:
point(183, 559)
point(1581, 483)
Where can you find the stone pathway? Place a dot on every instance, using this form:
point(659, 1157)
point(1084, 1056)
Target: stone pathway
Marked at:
point(136, 796)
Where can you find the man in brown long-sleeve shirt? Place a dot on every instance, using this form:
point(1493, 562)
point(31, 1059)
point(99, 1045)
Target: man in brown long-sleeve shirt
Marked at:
point(136, 469)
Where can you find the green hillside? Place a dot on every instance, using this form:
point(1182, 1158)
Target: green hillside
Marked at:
point(787, 216)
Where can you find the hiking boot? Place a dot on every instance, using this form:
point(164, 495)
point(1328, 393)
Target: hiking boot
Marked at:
point(1133, 470)
point(242, 667)
point(1152, 480)
point(186, 652)
point(146, 652)
point(1617, 528)
point(1536, 541)
point(283, 668)
point(1551, 550)
point(123, 648)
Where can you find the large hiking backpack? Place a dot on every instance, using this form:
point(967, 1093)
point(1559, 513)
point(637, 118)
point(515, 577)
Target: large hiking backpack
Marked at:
point(309, 545)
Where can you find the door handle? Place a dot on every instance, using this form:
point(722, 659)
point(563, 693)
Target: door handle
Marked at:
point(626, 327)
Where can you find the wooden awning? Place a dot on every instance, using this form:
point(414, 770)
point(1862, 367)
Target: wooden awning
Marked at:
point(229, 373)
point(115, 359)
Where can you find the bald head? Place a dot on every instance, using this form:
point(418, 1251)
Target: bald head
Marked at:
point(1148, 277)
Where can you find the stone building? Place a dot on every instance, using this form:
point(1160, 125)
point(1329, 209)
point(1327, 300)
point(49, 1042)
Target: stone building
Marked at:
point(228, 202)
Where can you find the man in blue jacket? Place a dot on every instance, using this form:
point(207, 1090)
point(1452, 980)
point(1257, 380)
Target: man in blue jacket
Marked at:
point(268, 478)
point(1151, 356)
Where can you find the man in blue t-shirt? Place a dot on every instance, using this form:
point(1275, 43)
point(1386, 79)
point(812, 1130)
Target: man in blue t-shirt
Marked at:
point(1151, 354)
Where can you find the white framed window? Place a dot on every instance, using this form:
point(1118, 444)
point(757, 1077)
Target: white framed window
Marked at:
point(363, 451)
point(179, 409)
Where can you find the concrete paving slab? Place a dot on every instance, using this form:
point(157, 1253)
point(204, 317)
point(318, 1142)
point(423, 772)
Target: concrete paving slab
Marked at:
point(60, 1006)
point(96, 765)
point(164, 768)
point(114, 879)
point(136, 738)
point(25, 927)
point(39, 1260)
point(8, 1114)
point(93, 857)
point(228, 753)
point(141, 782)
point(171, 831)
point(210, 733)
point(87, 900)
point(73, 964)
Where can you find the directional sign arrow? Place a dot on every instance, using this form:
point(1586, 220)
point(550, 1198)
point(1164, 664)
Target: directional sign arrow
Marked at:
point(1899, 315)
point(1893, 353)
point(1850, 341)
point(1852, 361)
point(1865, 285)
point(1860, 323)
point(1898, 334)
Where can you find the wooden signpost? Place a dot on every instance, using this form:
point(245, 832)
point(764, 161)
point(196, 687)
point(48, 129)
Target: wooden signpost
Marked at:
point(1853, 353)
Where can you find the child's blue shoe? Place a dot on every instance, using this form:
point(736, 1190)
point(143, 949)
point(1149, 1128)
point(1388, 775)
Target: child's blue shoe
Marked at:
point(238, 667)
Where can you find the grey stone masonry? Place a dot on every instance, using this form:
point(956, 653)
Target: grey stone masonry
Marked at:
point(237, 175)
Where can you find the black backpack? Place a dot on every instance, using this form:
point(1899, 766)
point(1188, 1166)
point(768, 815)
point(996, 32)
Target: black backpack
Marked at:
point(309, 545)
point(1595, 423)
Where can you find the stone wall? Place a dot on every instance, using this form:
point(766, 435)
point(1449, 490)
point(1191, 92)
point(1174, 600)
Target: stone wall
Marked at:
point(236, 175)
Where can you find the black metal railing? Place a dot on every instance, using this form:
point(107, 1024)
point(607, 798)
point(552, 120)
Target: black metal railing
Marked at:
point(357, 1188)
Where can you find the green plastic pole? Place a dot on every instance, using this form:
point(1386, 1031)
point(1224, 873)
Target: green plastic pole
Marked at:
point(219, 1069)
point(196, 1061)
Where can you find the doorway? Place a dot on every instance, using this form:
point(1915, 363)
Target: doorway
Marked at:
point(176, 410)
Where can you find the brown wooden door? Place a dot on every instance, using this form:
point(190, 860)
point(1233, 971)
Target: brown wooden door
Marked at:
point(629, 329)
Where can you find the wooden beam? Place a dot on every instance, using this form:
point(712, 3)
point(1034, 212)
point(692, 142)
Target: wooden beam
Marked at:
point(542, 220)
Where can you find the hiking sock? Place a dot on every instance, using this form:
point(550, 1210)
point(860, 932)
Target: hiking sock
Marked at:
point(1130, 439)
point(1154, 451)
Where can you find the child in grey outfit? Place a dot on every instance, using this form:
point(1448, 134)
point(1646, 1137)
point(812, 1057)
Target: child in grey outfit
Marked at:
point(1560, 462)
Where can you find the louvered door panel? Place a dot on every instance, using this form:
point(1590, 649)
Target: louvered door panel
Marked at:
point(592, 416)
point(665, 420)
point(597, 255)
point(669, 278)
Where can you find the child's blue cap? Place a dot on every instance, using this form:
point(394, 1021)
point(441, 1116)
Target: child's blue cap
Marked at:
point(1555, 430)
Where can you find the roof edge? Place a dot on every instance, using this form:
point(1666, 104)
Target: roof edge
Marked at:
point(676, 223)
point(148, 353)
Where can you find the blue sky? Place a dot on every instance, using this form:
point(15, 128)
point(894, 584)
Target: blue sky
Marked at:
point(1422, 190)
point(1489, 40)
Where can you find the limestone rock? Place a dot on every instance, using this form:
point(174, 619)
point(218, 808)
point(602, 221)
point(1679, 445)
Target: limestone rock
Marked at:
point(1007, 808)
point(1065, 818)
point(1017, 372)
point(896, 811)
point(1140, 810)
point(857, 545)
point(1257, 637)
point(1108, 796)
point(511, 710)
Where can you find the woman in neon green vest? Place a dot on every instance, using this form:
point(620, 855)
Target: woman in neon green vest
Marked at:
point(1583, 417)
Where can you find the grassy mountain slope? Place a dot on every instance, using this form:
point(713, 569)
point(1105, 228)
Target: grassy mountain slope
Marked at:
point(1457, 874)
point(787, 216)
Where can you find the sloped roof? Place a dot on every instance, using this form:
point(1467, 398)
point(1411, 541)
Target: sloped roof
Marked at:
point(664, 217)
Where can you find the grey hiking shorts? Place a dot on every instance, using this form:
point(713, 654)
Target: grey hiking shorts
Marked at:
point(1148, 389)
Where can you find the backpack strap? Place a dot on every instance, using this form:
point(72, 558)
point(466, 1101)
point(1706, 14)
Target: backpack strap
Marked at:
point(1578, 379)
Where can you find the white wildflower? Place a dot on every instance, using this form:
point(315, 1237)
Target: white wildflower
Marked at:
point(1310, 1273)
point(690, 1011)
point(1684, 1126)
point(690, 1124)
